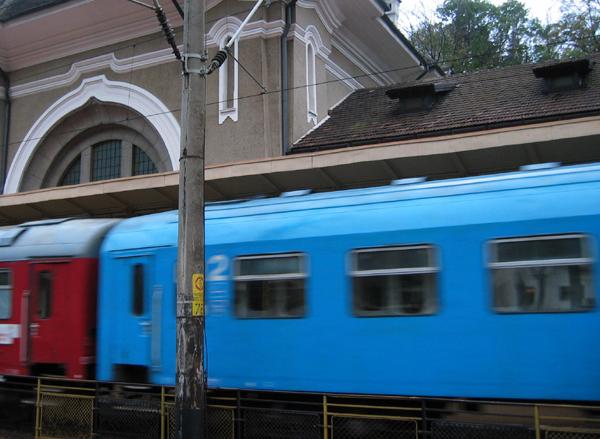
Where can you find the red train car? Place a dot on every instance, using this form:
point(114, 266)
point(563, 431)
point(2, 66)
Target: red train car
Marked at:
point(48, 293)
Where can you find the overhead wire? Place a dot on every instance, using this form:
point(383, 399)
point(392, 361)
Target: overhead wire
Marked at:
point(124, 47)
point(251, 96)
point(178, 110)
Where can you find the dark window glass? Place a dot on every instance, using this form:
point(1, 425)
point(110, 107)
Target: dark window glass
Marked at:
point(73, 174)
point(270, 286)
point(142, 164)
point(138, 290)
point(106, 160)
point(5, 294)
point(398, 281)
point(538, 250)
point(564, 83)
point(44, 294)
point(542, 274)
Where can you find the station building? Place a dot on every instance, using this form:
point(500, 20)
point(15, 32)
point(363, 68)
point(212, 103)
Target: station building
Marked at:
point(325, 95)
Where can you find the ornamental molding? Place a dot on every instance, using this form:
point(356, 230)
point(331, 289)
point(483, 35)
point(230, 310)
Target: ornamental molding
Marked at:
point(364, 63)
point(80, 68)
point(323, 52)
point(399, 41)
point(256, 29)
point(303, 35)
point(100, 88)
point(328, 11)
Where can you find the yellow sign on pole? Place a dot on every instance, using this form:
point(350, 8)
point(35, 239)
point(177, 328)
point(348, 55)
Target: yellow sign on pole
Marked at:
point(198, 304)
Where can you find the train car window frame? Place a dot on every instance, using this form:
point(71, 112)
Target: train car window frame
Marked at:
point(44, 294)
point(406, 287)
point(275, 289)
point(521, 268)
point(6, 294)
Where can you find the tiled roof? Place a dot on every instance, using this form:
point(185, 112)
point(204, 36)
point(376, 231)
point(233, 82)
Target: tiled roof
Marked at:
point(466, 102)
point(10, 9)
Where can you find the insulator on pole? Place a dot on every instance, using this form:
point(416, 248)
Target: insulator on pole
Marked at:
point(167, 31)
point(217, 61)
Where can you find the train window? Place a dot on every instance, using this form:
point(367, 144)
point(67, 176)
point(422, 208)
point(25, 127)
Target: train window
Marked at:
point(394, 281)
point(270, 287)
point(44, 294)
point(5, 294)
point(138, 290)
point(542, 274)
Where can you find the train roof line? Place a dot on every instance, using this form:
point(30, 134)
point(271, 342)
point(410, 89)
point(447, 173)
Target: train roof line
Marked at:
point(468, 183)
point(373, 195)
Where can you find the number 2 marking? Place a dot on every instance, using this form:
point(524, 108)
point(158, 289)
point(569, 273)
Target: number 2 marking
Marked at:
point(222, 265)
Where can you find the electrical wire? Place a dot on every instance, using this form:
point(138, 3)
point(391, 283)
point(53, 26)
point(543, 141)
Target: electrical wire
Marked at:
point(22, 79)
point(262, 93)
point(255, 96)
point(217, 102)
point(160, 37)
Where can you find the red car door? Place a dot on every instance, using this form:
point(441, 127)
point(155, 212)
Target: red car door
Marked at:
point(50, 312)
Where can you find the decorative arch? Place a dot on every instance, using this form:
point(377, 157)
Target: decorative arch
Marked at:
point(222, 28)
point(101, 89)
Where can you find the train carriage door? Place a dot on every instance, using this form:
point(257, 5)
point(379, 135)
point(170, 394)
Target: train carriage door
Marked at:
point(134, 316)
point(50, 317)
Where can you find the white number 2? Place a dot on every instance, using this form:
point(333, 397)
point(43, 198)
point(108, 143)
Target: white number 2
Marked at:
point(217, 273)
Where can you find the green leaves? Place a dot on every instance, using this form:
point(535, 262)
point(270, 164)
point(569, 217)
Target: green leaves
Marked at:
point(469, 35)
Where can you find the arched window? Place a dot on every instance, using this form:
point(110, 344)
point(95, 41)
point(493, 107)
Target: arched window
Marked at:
point(106, 160)
point(311, 81)
point(142, 163)
point(228, 84)
point(73, 173)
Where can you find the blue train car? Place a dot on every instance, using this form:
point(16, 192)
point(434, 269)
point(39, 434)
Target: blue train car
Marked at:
point(479, 287)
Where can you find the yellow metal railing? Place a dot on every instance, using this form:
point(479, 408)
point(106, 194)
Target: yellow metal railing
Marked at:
point(64, 412)
point(567, 421)
point(72, 412)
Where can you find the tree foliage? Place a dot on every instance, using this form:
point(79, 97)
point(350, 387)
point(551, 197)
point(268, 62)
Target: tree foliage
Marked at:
point(469, 35)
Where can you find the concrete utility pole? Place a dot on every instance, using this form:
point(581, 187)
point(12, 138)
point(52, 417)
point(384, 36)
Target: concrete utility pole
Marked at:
point(190, 398)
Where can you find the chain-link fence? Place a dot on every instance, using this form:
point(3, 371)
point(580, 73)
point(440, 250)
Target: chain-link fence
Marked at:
point(274, 424)
point(124, 418)
point(17, 411)
point(220, 423)
point(551, 434)
point(348, 427)
point(456, 430)
point(43, 408)
point(65, 416)
point(170, 424)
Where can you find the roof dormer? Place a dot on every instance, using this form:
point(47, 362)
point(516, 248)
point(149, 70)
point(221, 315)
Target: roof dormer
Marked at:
point(418, 97)
point(565, 75)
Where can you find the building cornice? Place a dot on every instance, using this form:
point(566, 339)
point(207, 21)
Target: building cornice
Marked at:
point(260, 29)
point(328, 11)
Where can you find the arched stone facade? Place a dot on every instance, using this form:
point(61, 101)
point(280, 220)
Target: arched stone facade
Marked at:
point(76, 135)
point(97, 111)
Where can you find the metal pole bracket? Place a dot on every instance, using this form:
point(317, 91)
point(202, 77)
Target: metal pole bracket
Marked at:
point(187, 70)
